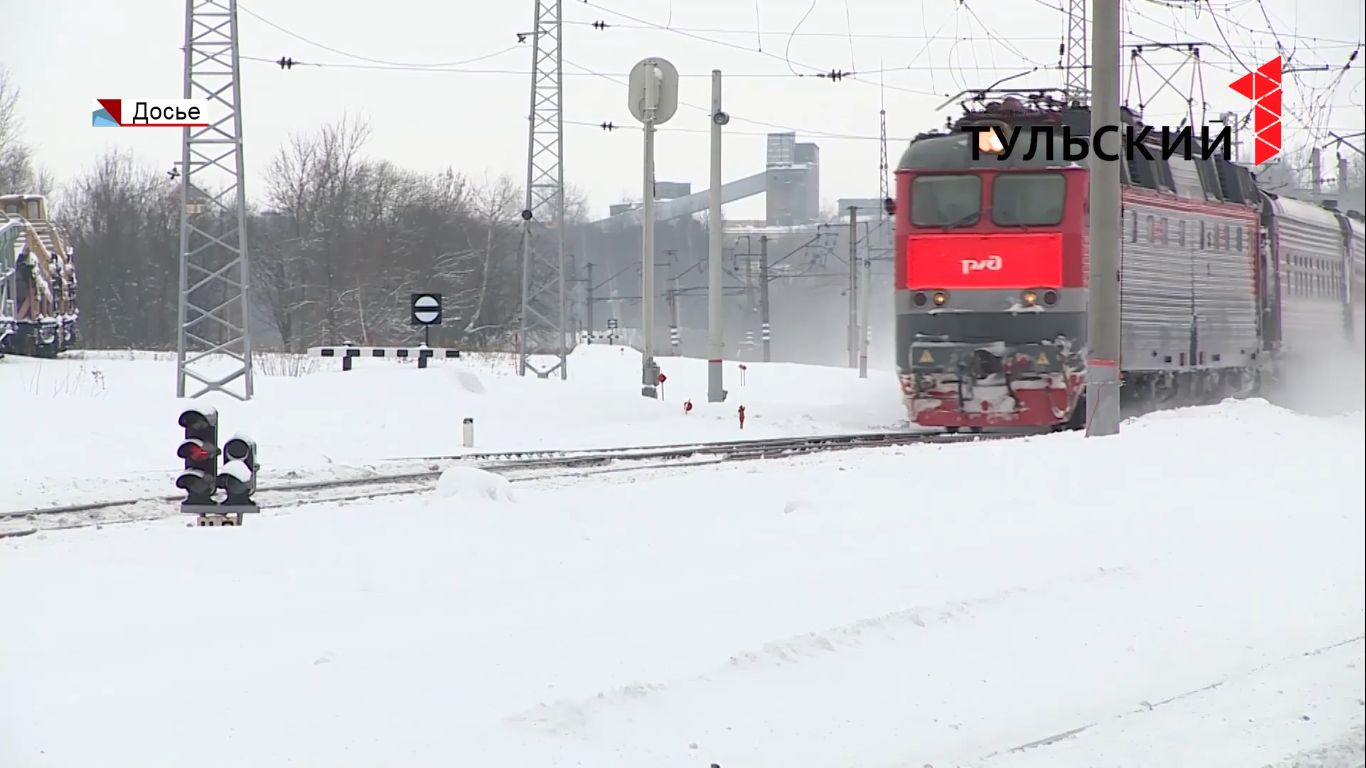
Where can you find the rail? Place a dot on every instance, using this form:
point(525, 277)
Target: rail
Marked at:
point(518, 466)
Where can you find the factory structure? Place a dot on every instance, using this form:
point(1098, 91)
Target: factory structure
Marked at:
point(805, 298)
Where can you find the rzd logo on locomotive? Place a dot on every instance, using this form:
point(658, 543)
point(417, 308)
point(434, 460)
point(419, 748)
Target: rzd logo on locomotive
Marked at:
point(989, 264)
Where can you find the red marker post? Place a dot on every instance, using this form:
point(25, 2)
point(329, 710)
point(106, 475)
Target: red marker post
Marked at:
point(743, 368)
point(687, 407)
point(742, 417)
point(661, 379)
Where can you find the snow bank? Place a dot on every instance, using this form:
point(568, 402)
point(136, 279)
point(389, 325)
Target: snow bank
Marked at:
point(324, 422)
point(473, 483)
point(1189, 592)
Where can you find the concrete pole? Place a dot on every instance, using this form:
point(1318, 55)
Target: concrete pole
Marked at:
point(647, 265)
point(588, 299)
point(675, 328)
point(1316, 168)
point(716, 347)
point(853, 286)
point(864, 308)
point(764, 328)
point(1102, 369)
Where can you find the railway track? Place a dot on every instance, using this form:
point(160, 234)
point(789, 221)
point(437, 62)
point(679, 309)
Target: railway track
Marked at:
point(516, 466)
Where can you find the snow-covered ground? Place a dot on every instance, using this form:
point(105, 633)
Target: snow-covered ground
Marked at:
point(100, 425)
point(1188, 593)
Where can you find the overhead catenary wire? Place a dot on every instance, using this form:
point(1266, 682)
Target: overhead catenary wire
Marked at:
point(368, 59)
point(363, 62)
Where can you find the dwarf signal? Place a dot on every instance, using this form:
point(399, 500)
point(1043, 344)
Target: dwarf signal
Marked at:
point(199, 449)
point(202, 478)
point(238, 476)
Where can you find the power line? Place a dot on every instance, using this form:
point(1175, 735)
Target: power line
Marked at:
point(292, 62)
point(818, 72)
point(612, 127)
point(359, 57)
point(747, 32)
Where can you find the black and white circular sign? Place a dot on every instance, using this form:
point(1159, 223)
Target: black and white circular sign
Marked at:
point(426, 309)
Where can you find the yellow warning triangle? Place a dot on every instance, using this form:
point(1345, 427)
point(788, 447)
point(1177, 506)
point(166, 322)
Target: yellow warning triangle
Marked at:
point(926, 357)
point(1042, 359)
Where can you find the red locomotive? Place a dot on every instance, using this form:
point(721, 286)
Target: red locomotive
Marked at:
point(1218, 278)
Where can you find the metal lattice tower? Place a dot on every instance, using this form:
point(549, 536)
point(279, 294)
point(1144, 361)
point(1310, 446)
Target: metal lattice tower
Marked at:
point(1076, 53)
point(884, 190)
point(884, 183)
point(543, 326)
point(213, 316)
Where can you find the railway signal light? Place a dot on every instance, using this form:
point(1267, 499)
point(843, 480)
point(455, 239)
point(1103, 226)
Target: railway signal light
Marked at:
point(200, 451)
point(238, 476)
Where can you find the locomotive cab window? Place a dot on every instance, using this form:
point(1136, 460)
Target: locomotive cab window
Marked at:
point(1028, 199)
point(946, 201)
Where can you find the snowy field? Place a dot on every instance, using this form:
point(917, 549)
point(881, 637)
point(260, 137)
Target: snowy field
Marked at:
point(1189, 593)
point(100, 425)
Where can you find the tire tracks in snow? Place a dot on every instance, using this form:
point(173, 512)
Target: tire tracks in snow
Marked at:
point(1335, 752)
point(563, 716)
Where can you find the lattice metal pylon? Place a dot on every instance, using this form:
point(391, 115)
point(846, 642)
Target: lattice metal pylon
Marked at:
point(543, 327)
point(883, 189)
point(213, 318)
point(1076, 54)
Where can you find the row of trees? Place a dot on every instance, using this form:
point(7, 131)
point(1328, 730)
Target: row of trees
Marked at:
point(337, 242)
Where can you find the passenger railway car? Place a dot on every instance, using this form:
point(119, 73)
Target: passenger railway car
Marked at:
point(37, 280)
point(1219, 280)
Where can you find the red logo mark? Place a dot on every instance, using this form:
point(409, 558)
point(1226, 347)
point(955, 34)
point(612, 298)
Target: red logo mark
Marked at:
point(1263, 87)
point(947, 262)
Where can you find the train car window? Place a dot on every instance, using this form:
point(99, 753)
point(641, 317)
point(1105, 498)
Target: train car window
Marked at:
point(1028, 199)
point(1161, 171)
point(1133, 226)
point(1209, 179)
point(1181, 233)
point(1186, 180)
point(941, 201)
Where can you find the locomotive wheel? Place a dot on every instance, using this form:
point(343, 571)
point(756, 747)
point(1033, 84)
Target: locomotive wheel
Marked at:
point(951, 430)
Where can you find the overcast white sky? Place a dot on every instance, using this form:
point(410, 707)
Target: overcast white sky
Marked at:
point(475, 121)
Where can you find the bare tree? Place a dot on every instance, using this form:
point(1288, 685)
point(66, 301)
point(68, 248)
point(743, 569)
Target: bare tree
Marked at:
point(16, 157)
point(123, 221)
point(496, 206)
point(310, 181)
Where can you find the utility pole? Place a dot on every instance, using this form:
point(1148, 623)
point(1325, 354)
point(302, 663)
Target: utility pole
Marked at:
point(763, 297)
point(1316, 168)
point(647, 260)
point(213, 316)
point(653, 99)
point(716, 346)
point(863, 305)
point(588, 298)
point(749, 280)
point(543, 286)
point(853, 286)
point(1103, 353)
point(674, 330)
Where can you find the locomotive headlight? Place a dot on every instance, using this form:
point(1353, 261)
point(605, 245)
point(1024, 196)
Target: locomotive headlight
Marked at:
point(1030, 298)
point(1050, 298)
point(940, 299)
point(919, 299)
